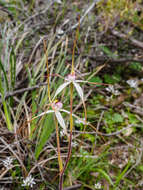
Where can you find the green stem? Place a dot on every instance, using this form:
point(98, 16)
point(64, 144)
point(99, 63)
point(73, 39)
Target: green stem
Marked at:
point(58, 147)
point(73, 52)
point(48, 73)
point(70, 139)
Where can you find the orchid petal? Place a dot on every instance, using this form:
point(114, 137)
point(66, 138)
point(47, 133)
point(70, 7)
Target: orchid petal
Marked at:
point(75, 116)
point(43, 113)
point(61, 87)
point(61, 121)
point(79, 90)
point(81, 81)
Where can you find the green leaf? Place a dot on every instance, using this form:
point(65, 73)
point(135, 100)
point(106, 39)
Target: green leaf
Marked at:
point(5, 78)
point(135, 66)
point(121, 175)
point(109, 79)
point(107, 51)
point(48, 128)
point(140, 168)
point(132, 118)
point(116, 77)
point(107, 177)
point(117, 118)
point(96, 79)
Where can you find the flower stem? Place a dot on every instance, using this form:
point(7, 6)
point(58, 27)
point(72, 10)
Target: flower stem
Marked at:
point(73, 52)
point(58, 147)
point(48, 73)
point(70, 139)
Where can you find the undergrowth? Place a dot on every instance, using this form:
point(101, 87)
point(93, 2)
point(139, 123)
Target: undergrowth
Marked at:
point(71, 114)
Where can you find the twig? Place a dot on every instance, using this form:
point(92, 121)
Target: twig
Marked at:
point(73, 187)
point(118, 132)
point(126, 37)
point(20, 91)
point(104, 59)
point(20, 161)
point(84, 15)
point(98, 125)
point(85, 99)
point(139, 157)
point(111, 134)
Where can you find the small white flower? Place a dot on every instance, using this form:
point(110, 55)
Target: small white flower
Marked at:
point(58, 1)
point(108, 98)
point(28, 182)
point(8, 162)
point(74, 144)
point(62, 133)
point(60, 32)
point(112, 90)
point(133, 83)
point(97, 186)
point(79, 121)
point(71, 78)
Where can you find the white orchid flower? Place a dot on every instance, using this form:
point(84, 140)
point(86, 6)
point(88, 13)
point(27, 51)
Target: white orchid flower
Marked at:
point(71, 78)
point(57, 109)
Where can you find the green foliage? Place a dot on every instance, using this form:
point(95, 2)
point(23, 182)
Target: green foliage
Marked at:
point(108, 52)
point(140, 168)
point(91, 164)
point(113, 121)
point(96, 79)
point(121, 175)
point(112, 79)
point(3, 88)
point(132, 118)
point(81, 168)
point(135, 66)
point(105, 175)
point(123, 10)
point(47, 129)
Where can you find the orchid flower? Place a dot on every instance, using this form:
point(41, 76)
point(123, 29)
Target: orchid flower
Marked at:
point(57, 109)
point(56, 106)
point(71, 78)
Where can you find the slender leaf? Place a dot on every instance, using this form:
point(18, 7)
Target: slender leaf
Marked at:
point(47, 129)
point(105, 175)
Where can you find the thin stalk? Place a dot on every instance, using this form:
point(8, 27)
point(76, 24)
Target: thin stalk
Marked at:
point(85, 113)
point(70, 139)
point(73, 52)
point(71, 110)
point(48, 73)
point(58, 147)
